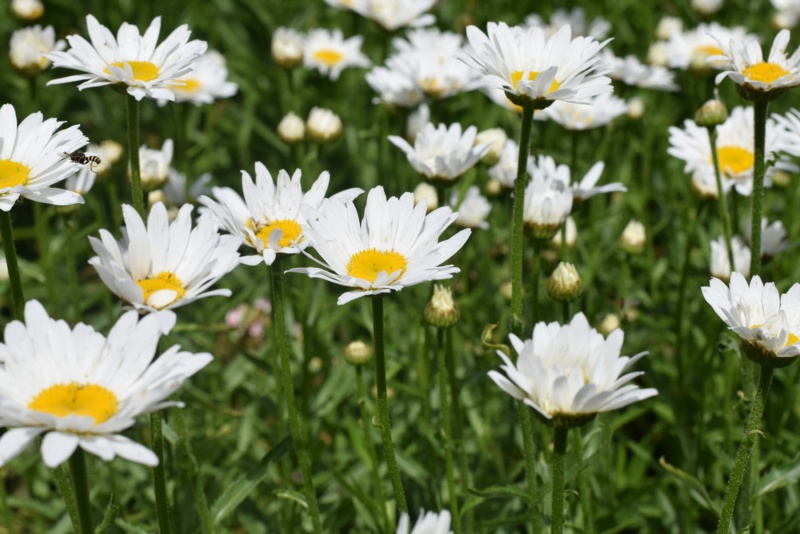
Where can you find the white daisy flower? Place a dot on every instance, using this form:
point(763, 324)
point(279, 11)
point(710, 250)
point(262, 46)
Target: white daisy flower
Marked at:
point(582, 190)
point(270, 218)
point(395, 246)
point(131, 59)
point(328, 52)
point(81, 389)
point(768, 323)
point(27, 9)
point(161, 266)
point(28, 46)
point(570, 373)
point(395, 84)
point(720, 266)
point(394, 14)
point(287, 47)
point(744, 63)
point(323, 125)
point(428, 523)
point(692, 48)
point(548, 198)
point(207, 82)
point(505, 171)
point(175, 189)
point(417, 119)
point(472, 210)
point(598, 28)
point(631, 71)
point(442, 153)
point(496, 139)
point(789, 140)
point(735, 150)
point(154, 165)
point(706, 7)
point(528, 66)
point(773, 237)
point(601, 110)
point(788, 13)
point(33, 156)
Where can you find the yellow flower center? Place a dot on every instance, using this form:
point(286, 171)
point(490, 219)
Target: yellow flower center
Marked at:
point(790, 340)
point(368, 264)
point(329, 57)
point(516, 76)
point(291, 232)
point(164, 280)
point(734, 160)
point(13, 173)
point(765, 72)
point(708, 50)
point(192, 85)
point(62, 400)
point(142, 70)
point(431, 86)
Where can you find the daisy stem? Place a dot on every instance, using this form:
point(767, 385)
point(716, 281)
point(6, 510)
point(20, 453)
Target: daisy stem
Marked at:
point(69, 231)
point(740, 462)
point(185, 449)
point(133, 154)
point(537, 270)
point(40, 223)
point(77, 464)
point(559, 455)
point(383, 404)
point(760, 110)
point(366, 423)
point(159, 475)
point(526, 422)
point(723, 202)
point(517, 251)
point(295, 427)
point(64, 488)
point(444, 408)
point(7, 235)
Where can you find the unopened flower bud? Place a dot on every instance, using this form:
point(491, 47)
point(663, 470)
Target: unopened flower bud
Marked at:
point(609, 323)
point(668, 26)
point(427, 192)
point(565, 284)
point(781, 178)
point(442, 311)
point(287, 47)
point(506, 289)
point(572, 234)
point(711, 114)
point(633, 238)
point(112, 151)
point(291, 129)
point(496, 138)
point(493, 188)
point(358, 353)
point(27, 9)
point(635, 108)
point(323, 125)
point(706, 7)
point(657, 54)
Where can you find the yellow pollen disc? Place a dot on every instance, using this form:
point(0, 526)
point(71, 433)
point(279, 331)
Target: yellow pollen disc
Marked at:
point(192, 86)
point(431, 86)
point(73, 398)
point(734, 160)
point(765, 72)
point(329, 57)
point(13, 173)
point(368, 264)
point(792, 339)
point(164, 280)
point(516, 76)
point(142, 70)
point(709, 50)
point(291, 232)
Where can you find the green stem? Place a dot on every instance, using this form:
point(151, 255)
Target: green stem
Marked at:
point(295, 427)
point(366, 424)
point(77, 464)
point(742, 455)
point(5, 511)
point(64, 488)
point(526, 422)
point(559, 455)
point(760, 126)
point(383, 405)
point(40, 222)
point(565, 312)
point(537, 273)
point(199, 493)
point(679, 318)
point(517, 229)
point(14, 280)
point(159, 475)
point(723, 202)
point(444, 408)
point(133, 154)
point(73, 270)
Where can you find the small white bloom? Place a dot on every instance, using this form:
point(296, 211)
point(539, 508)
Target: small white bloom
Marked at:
point(28, 46)
point(633, 238)
point(442, 153)
point(773, 238)
point(270, 218)
point(505, 171)
point(548, 198)
point(175, 190)
point(570, 372)
point(33, 158)
point(287, 47)
point(323, 125)
point(27, 9)
point(706, 7)
point(472, 210)
point(161, 265)
point(291, 129)
point(667, 27)
point(396, 246)
point(496, 139)
point(636, 108)
point(130, 59)
point(658, 54)
point(428, 523)
point(788, 13)
point(599, 112)
point(425, 191)
point(394, 14)
point(582, 190)
point(81, 389)
point(693, 48)
point(576, 19)
point(154, 165)
point(328, 52)
point(720, 266)
point(207, 82)
point(744, 63)
point(416, 122)
point(630, 71)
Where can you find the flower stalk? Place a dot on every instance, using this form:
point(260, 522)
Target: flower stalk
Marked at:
point(517, 226)
point(760, 109)
point(159, 474)
point(77, 464)
point(133, 153)
point(559, 456)
point(446, 429)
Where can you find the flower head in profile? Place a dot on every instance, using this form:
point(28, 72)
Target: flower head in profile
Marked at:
point(163, 265)
point(743, 62)
point(270, 218)
point(154, 165)
point(505, 170)
point(428, 523)
point(131, 60)
point(598, 27)
point(81, 389)
point(442, 153)
point(600, 111)
point(630, 71)
point(472, 209)
point(548, 198)
point(720, 266)
point(570, 373)
point(329, 52)
point(28, 46)
point(691, 49)
point(396, 245)
point(768, 323)
point(536, 69)
point(395, 14)
point(33, 157)
point(773, 237)
point(207, 82)
point(287, 47)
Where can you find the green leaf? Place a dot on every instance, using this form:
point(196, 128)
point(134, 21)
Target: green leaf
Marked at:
point(501, 492)
point(694, 486)
point(108, 517)
point(292, 495)
point(779, 477)
point(241, 488)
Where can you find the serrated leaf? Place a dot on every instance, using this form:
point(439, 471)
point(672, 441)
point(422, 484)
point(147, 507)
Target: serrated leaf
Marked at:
point(779, 477)
point(292, 495)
